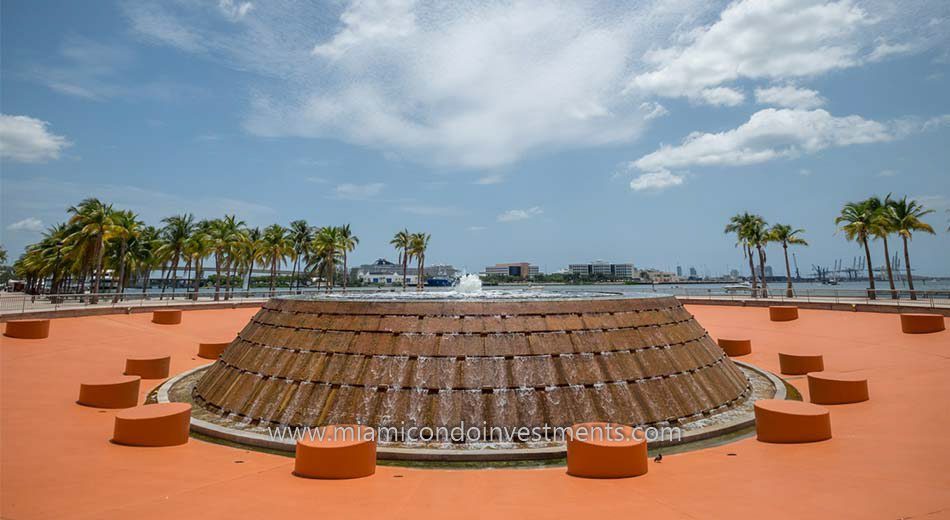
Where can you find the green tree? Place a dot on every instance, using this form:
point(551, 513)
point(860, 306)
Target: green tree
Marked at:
point(348, 242)
point(418, 244)
point(276, 245)
point(905, 218)
point(786, 235)
point(401, 241)
point(175, 235)
point(95, 219)
point(301, 234)
point(742, 225)
point(857, 220)
point(881, 227)
point(127, 226)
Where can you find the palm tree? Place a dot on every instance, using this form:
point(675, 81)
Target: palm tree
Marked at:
point(225, 234)
point(858, 219)
point(142, 254)
point(3, 256)
point(175, 234)
point(401, 242)
point(200, 246)
point(327, 246)
point(95, 219)
point(882, 227)
point(740, 225)
point(275, 246)
point(418, 244)
point(904, 216)
point(301, 234)
point(348, 242)
point(251, 253)
point(786, 235)
point(127, 227)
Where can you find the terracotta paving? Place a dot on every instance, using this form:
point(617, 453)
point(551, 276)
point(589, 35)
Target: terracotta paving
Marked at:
point(889, 457)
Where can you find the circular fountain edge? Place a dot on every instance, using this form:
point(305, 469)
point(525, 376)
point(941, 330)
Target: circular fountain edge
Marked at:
point(257, 440)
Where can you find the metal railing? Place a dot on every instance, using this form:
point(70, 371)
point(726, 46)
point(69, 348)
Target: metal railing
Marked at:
point(898, 297)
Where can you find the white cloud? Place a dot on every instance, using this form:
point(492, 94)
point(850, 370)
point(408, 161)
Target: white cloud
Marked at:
point(26, 139)
point(769, 134)
point(789, 96)
point(368, 22)
point(719, 97)
point(652, 110)
point(758, 39)
point(513, 215)
point(234, 11)
point(656, 181)
point(358, 191)
point(885, 50)
point(30, 224)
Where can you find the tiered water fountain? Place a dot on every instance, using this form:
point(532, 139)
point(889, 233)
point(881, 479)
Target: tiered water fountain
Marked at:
point(482, 358)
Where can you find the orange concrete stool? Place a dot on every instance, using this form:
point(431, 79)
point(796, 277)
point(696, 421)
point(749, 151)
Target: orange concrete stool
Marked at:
point(837, 388)
point(110, 392)
point(594, 451)
point(735, 347)
point(27, 329)
point(163, 424)
point(336, 452)
point(791, 421)
point(148, 367)
point(167, 317)
point(211, 350)
point(783, 313)
point(800, 363)
point(921, 323)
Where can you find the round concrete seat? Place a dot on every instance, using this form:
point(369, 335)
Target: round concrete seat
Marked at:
point(167, 317)
point(791, 421)
point(211, 350)
point(837, 388)
point(921, 323)
point(603, 450)
point(110, 392)
point(27, 329)
point(148, 367)
point(735, 347)
point(783, 313)
point(336, 452)
point(163, 424)
point(800, 363)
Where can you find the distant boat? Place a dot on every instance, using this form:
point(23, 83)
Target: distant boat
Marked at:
point(440, 281)
point(739, 287)
point(830, 281)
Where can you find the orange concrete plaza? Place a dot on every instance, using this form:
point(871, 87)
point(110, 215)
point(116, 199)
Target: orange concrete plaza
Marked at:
point(888, 457)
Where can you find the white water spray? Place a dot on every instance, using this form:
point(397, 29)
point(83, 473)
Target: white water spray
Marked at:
point(469, 284)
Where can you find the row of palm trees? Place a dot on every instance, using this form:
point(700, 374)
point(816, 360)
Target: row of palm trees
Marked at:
point(753, 233)
point(874, 218)
point(75, 255)
point(411, 246)
point(869, 219)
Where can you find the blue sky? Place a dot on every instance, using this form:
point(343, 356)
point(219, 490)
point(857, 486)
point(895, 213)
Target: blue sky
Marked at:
point(545, 132)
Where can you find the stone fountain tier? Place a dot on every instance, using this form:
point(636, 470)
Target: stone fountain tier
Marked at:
point(504, 362)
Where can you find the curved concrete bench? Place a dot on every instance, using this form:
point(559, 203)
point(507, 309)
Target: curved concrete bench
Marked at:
point(167, 317)
point(791, 421)
point(211, 350)
point(921, 323)
point(796, 364)
point(148, 367)
point(336, 452)
point(27, 329)
point(110, 392)
point(594, 451)
point(735, 347)
point(837, 388)
point(163, 424)
point(783, 313)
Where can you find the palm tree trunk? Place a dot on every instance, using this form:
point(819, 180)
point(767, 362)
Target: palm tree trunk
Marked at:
point(765, 287)
point(174, 275)
point(890, 273)
point(198, 266)
point(405, 267)
point(121, 288)
point(788, 273)
point(346, 275)
point(100, 251)
point(910, 278)
point(867, 253)
point(293, 272)
point(217, 277)
point(755, 283)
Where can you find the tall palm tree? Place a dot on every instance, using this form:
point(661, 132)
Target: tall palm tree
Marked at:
point(327, 246)
point(225, 234)
point(348, 242)
point(857, 220)
point(276, 245)
point(741, 225)
point(904, 216)
point(418, 244)
point(175, 234)
point(882, 227)
point(301, 234)
point(786, 235)
point(251, 253)
point(200, 245)
point(95, 219)
point(127, 226)
point(401, 242)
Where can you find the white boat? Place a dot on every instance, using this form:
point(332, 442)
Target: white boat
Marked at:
point(739, 287)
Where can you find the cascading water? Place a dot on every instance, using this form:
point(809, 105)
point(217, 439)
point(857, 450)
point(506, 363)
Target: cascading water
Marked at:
point(469, 284)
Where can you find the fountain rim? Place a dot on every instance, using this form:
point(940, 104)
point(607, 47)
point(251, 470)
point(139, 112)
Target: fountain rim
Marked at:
point(555, 296)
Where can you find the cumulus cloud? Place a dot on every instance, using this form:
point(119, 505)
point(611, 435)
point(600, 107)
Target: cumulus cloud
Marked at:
point(30, 224)
point(234, 11)
point(26, 139)
point(656, 181)
point(789, 96)
point(719, 96)
point(358, 191)
point(769, 134)
point(514, 215)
